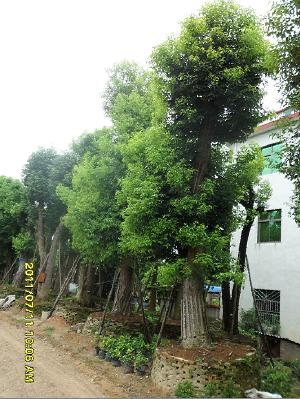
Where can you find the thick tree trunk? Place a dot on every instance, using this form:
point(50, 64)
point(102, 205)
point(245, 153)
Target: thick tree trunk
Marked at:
point(194, 328)
point(44, 289)
point(85, 287)
point(176, 309)
point(124, 289)
point(18, 278)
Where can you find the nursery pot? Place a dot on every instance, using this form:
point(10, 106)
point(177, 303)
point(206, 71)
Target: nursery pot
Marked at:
point(102, 353)
point(128, 368)
point(108, 357)
point(141, 370)
point(97, 351)
point(116, 362)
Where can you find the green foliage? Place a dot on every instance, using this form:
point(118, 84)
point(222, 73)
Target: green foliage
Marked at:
point(140, 360)
point(127, 348)
point(23, 243)
point(248, 322)
point(185, 390)
point(129, 100)
point(211, 390)
point(213, 70)
point(92, 213)
point(229, 390)
point(13, 214)
point(42, 173)
point(151, 316)
point(277, 379)
point(294, 365)
point(284, 24)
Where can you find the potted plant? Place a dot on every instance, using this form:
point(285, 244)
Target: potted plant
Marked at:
point(115, 355)
point(96, 343)
point(127, 359)
point(107, 346)
point(140, 363)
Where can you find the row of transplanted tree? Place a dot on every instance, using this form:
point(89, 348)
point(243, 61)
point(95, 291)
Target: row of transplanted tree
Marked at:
point(157, 196)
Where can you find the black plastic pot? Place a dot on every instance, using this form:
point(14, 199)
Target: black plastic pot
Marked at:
point(141, 370)
point(97, 351)
point(128, 368)
point(116, 362)
point(102, 354)
point(108, 357)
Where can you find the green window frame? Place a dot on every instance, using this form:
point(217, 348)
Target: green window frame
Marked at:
point(269, 226)
point(272, 156)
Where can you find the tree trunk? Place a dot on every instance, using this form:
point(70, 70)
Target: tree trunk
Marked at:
point(152, 299)
point(45, 288)
point(194, 328)
point(124, 289)
point(226, 305)
point(236, 290)
point(99, 285)
point(40, 236)
point(18, 278)
point(85, 289)
point(176, 309)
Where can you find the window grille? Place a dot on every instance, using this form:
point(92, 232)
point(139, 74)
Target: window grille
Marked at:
point(268, 305)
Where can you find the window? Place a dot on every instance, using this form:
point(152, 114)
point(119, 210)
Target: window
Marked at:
point(272, 155)
point(268, 306)
point(269, 226)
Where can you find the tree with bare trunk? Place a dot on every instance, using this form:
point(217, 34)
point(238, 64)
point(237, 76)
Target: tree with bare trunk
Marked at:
point(211, 77)
point(43, 172)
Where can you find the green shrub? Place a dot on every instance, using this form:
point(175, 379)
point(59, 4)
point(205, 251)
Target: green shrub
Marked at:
point(184, 390)
point(129, 349)
point(248, 321)
point(294, 365)
point(277, 379)
point(229, 390)
point(211, 389)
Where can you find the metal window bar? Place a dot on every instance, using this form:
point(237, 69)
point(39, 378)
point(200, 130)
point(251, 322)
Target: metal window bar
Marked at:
point(268, 305)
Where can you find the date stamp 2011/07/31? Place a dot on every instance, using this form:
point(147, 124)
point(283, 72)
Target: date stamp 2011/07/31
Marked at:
point(29, 323)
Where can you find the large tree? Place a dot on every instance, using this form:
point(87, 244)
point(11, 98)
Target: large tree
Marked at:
point(43, 172)
point(211, 77)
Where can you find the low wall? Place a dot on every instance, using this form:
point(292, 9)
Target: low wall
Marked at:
point(167, 371)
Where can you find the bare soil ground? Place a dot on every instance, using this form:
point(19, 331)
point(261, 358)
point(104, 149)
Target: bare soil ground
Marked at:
point(65, 365)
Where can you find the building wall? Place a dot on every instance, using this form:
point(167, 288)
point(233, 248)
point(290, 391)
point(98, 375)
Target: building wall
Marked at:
point(276, 266)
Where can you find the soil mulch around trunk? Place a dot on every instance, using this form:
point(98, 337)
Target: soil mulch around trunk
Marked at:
point(221, 351)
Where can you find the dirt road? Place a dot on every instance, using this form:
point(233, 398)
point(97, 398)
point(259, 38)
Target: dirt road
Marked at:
point(56, 375)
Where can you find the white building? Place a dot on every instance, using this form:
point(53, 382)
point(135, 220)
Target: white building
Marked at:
point(274, 249)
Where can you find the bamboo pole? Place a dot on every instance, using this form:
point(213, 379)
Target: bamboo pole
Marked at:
point(67, 279)
point(101, 324)
point(167, 310)
point(9, 270)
